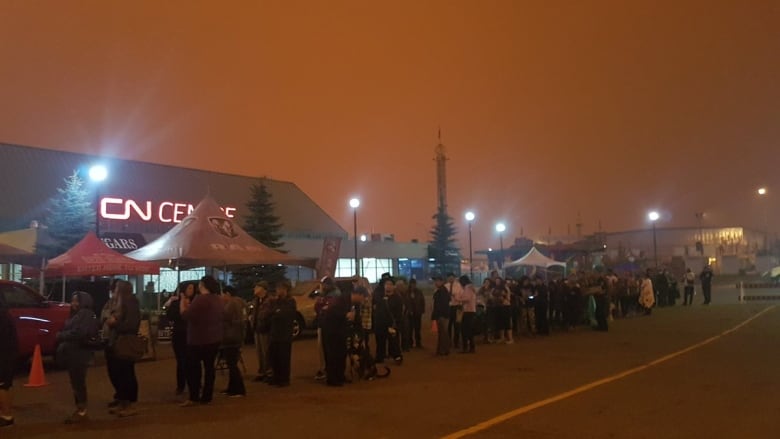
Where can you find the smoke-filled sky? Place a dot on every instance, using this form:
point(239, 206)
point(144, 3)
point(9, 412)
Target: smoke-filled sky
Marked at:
point(547, 109)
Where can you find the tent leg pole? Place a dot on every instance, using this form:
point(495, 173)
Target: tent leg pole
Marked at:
point(63, 288)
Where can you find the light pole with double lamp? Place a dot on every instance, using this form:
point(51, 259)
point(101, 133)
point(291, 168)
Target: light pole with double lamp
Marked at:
point(501, 228)
point(470, 220)
point(354, 204)
point(653, 217)
point(97, 173)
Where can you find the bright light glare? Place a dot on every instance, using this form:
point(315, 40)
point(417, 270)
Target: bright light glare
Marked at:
point(500, 228)
point(354, 203)
point(653, 216)
point(470, 216)
point(363, 238)
point(98, 173)
point(762, 191)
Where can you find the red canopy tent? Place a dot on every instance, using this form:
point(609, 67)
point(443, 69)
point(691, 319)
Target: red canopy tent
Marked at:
point(91, 257)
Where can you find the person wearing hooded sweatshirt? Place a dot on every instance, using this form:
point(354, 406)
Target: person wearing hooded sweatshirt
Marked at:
point(73, 351)
point(204, 335)
point(9, 350)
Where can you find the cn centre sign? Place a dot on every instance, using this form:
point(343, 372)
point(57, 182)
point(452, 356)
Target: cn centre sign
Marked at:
point(164, 212)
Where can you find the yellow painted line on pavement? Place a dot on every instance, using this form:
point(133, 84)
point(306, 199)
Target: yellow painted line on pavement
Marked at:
point(527, 408)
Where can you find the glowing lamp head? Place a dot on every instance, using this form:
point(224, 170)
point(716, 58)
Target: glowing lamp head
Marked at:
point(354, 203)
point(363, 238)
point(500, 227)
point(470, 216)
point(653, 216)
point(762, 191)
point(98, 173)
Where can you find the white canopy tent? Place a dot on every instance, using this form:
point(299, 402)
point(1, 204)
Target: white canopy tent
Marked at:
point(535, 258)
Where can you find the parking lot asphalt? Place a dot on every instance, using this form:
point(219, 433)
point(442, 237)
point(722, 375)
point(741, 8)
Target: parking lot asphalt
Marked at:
point(725, 388)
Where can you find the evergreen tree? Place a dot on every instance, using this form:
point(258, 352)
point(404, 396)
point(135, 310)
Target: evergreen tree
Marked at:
point(69, 217)
point(263, 225)
point(442, 246)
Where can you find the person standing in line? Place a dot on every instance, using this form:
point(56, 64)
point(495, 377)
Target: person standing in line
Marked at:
point(541, 306)
point(688, 280)
point(334, 332)
point(706, 284)
point(283, 313)
point(468, 300)
point(647, 294)
point(405, 324)
point(485, 294)
point(328, 294)
point(261, 326)
point(204, 335)
point(126, 322)
point(74, 353)
point(9, 350)
point(505, 309)
point(527, 306)
point(109, 338)
point(233, 332)
point(418, 310)
point(179, 333)
point(441, 315)
point(453, 286)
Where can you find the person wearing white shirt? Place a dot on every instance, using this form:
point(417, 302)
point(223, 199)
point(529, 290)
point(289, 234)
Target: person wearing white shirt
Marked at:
point(468, 300)
point(456, 310)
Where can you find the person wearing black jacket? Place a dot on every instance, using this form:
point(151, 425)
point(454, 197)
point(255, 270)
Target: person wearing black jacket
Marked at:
point(388, 312)
point(541, 306)
point(9, 350)
point(283, 313)
point(179, 335)
point(125, 322)
point(441, 315)
point(333, 320)
point(73, 351)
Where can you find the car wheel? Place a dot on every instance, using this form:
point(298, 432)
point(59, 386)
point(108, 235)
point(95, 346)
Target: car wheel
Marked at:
point(298, 326)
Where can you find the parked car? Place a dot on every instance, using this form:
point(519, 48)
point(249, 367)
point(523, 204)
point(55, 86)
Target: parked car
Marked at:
point(305, 294)
point(37, 320)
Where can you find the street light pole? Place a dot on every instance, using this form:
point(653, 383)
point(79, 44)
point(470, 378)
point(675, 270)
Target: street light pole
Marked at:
point(762, 193)
point(653, 216)
point(97, 173)
point(470, 219)
point(500, 228)
point(354, 204)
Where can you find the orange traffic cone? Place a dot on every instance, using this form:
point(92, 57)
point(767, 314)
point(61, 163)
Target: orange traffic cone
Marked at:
point(36, 379)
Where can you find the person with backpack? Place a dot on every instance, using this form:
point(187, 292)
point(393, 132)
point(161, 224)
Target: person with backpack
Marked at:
point(74, 351)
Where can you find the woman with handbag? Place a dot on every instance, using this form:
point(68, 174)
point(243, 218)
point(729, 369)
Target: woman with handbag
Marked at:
point(73, 351)
point(125, 347)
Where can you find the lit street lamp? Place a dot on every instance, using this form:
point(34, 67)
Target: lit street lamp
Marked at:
point(501, 228)
point(97, 173)
point(762, 192)
point(354, 204)
point(653, 217)
point(470, 219)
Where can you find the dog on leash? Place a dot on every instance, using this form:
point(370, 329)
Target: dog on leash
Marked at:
point(361, 364)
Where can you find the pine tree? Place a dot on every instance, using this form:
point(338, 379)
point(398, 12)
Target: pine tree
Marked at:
point(442, 246)
point(263, 225)
point(70, 216)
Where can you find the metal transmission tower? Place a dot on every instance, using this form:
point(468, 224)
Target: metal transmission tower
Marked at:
point(441, 175)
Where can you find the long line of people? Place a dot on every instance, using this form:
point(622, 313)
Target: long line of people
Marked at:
point(209, 326)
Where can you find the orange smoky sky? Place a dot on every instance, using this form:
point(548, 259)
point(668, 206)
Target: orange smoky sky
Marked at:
point(547, 109)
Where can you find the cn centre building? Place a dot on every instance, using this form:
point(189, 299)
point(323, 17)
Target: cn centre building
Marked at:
point(140, 201)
